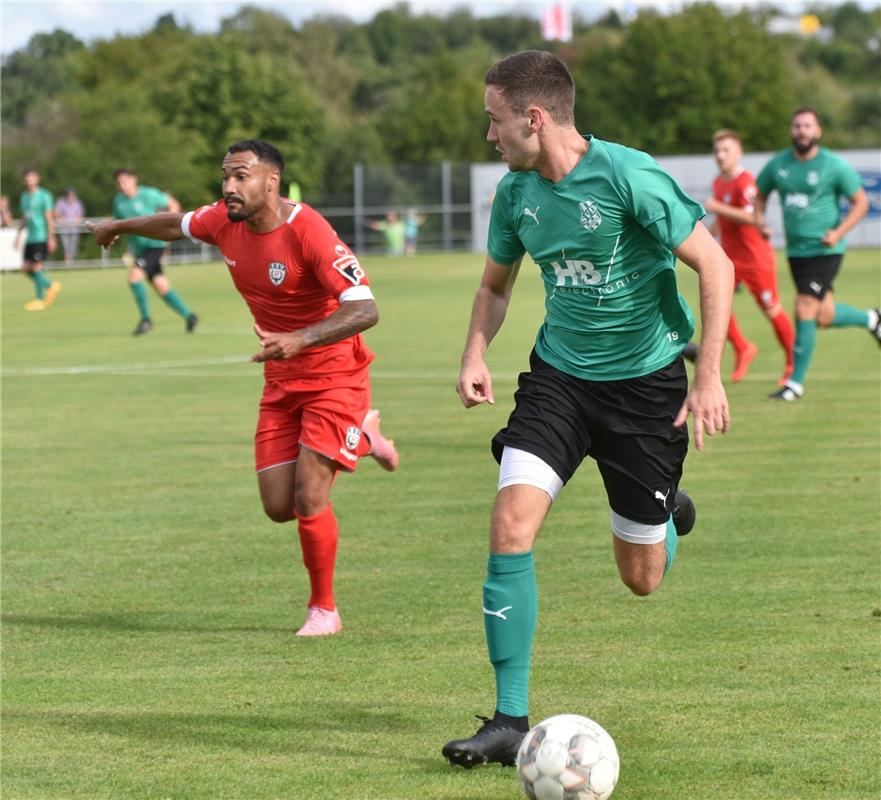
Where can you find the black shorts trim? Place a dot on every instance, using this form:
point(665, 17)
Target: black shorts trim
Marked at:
point(625, 425)
point(34, 251)
point(813, 275)
point(150, 261)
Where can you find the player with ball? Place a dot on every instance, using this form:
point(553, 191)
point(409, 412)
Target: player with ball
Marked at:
point(606, 377)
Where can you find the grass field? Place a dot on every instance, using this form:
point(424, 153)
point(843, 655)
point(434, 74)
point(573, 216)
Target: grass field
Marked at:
point(148, 606)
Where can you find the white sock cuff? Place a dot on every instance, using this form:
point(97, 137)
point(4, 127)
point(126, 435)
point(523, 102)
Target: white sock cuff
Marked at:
point(520, 467)
point(634, 532)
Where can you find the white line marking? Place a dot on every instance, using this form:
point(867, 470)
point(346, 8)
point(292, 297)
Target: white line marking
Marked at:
point(193, 368)
point(86, 369)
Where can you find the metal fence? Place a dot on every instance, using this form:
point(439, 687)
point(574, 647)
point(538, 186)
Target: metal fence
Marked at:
point(453, 202)
point(91, 256)
point(438, 194)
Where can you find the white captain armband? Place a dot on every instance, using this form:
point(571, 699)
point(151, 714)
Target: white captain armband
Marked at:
point(185, 227)
point(356, 293)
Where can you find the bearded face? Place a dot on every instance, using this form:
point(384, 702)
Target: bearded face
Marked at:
point(805, 132)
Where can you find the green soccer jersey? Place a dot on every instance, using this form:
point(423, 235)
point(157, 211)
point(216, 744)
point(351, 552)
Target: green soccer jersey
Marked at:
point(810, 192)
point(602, 238)
point(394, 233)
point(34, 206)
point(147, 200)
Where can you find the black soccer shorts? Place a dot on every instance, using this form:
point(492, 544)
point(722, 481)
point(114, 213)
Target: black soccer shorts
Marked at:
point(34, 252)
point(150, 261)
point(813, 275)
point(625, 425)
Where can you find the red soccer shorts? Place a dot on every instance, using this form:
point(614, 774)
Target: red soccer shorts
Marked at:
point(326, 419)
point(761, 281)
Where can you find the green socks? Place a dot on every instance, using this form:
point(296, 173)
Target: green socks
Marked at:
point(140, 293)
point(39, 290)
point(671, 542)
point(41, 282)
point(806, 336)
point(803, 349)
point(172, 299)
point(510, 612)
point(849, 317)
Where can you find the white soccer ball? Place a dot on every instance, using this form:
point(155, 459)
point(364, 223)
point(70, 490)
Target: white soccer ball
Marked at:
point(568, 757)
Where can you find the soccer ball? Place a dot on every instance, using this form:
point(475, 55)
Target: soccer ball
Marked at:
point(568, 757)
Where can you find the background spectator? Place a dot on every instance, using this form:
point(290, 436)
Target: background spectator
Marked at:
point(69, 214)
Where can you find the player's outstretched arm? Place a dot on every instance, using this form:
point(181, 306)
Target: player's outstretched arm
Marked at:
point(487, 316)
point(353, 316)
point(165, 226)
point(706, 399)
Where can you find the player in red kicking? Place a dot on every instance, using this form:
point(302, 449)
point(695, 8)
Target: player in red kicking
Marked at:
point(310, 299)
point(754, 265)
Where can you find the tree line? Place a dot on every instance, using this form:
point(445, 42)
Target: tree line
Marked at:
point(408, 88)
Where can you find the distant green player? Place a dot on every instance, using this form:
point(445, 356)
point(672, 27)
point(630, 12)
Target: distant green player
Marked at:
point(604, 223)
point(37, 215)
point(811, 181)
point(393, 229)
point(135, 201)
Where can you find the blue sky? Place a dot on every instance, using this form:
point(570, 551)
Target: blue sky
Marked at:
point(102, 19)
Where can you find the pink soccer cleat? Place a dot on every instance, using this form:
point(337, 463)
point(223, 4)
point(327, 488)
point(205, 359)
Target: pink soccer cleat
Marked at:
point(382, 449)
point(742, 360)
point(320, 622)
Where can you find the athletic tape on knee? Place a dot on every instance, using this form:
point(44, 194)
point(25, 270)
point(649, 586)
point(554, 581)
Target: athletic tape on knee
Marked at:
point(520, 467)
point(637, 532)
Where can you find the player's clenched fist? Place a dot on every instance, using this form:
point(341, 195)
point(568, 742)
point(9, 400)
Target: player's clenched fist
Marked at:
point(104, 232)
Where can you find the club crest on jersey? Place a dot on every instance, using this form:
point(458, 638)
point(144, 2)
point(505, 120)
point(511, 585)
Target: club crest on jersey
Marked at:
point(353, 436)
point(277, 272)
point(590, 215)
point(347, 265)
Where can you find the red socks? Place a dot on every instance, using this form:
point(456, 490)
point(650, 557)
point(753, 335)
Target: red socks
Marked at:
point(735, 336)
point(785, 333)
point(318, 540)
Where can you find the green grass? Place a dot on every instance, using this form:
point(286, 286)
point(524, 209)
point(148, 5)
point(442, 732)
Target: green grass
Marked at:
point(149, 606)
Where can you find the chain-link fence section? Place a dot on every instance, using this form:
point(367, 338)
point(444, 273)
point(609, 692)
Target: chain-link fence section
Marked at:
point(408, 208)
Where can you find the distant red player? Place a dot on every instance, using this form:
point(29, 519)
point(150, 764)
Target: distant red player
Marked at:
point(754, 264)
point(311, 299)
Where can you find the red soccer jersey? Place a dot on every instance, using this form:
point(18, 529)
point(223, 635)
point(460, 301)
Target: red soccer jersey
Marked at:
point(745, 246)
point(291, 277)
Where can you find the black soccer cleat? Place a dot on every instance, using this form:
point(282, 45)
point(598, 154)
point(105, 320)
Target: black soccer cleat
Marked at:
point(192, 321)
point(497, 742)
point(787, 394)
point(144, 326)
point(684, 513)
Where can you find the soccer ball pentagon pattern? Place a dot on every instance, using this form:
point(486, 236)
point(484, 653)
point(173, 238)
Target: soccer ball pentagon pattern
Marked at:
point(568, 757)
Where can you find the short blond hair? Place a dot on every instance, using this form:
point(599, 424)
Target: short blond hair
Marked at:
point(726, 133)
